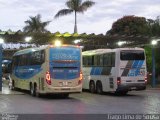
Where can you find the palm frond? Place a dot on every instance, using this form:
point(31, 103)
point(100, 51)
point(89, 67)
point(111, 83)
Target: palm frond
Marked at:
point(63, 12)
point(69, 4)
point(35, 25)
point(44, 24)
point(85, 5)
point(73, 4)
point(38, 17)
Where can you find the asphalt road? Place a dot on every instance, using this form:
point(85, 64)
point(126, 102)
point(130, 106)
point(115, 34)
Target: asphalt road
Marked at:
point(142, 102)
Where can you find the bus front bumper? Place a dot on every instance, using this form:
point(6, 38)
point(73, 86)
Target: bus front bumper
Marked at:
point(131, 86)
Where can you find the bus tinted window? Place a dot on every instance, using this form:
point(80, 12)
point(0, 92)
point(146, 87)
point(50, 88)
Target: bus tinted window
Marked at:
point(23, 60)
point(109, 59)
point(101, 60)
point(113, 59)
point(132, 55)
point(97, 60)
point(37, 58)
point(90, 60)
point(84, 61)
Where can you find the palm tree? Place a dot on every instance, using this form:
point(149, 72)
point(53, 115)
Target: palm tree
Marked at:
point(76, 6)
point(34, 25)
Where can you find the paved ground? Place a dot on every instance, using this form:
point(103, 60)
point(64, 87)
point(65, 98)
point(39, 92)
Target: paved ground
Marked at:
point(135, 102)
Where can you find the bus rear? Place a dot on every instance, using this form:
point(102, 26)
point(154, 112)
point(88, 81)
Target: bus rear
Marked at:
point(64, 74)
point(133, 73)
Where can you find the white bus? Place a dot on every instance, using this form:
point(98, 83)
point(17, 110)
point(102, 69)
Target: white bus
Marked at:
point(48, 69)
point(114, 70)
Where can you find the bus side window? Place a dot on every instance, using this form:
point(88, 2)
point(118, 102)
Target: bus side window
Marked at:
point(96, 60)
point(18, 60)
point(37, 57)
point(101, 60)
point(90, 60)
point(113, 59)
point(84, 61)
point(23, 61)
point(107, 59)
point(42, 56)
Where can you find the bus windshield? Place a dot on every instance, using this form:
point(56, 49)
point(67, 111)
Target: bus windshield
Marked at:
point(132, 55)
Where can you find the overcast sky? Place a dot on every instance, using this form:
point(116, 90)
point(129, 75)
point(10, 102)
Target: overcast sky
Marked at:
point(98, 19)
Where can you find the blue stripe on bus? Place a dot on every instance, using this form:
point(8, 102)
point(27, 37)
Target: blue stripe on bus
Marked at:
point(92, 71)
point(137, 72)
point(96, 70)
point(67, 74)
point(135, 69)
point(140, 63)
point(132, 71)
point(135, 64)
point(27, 72)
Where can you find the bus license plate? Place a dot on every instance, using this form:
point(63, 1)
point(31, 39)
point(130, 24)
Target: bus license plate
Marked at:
point(65, 83)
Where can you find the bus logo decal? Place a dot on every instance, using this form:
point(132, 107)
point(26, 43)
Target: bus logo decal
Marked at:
point(126, 69)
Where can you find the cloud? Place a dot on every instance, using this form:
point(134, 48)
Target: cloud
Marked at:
point(97, 19)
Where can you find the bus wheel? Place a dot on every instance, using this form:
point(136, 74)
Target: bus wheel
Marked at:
point(92, 87)
point(37, 94)
point(12, 86)
point(99, 88)
point(32, 91)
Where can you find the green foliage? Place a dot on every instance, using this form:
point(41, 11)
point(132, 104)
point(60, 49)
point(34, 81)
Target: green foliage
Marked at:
point(148, 51)
point(157, 60)
point(34, 25)
point(130, 25)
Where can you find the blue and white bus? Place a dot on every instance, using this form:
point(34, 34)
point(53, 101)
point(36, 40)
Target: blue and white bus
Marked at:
point(114, 70)
point(48, 69)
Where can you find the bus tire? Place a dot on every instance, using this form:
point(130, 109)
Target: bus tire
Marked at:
point(92, 87)
point(12, 87)
point(32, 91)
point(99, 88)
point(37, 94)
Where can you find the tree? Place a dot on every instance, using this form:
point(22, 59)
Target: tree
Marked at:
point(76, 6)
point(34, 25)
point(156, 27)
point(130, 25)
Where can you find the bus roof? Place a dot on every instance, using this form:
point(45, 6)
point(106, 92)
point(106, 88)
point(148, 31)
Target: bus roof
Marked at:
point(102, 51)
point(29, 50)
